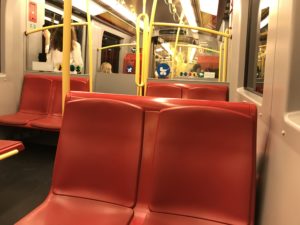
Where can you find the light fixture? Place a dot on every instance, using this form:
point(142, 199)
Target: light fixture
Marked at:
point(189, 13)
point(123, 10)
point(264, 22)
point(209, 6)
point(264, 4)
point(50, 20)
point(166, 46)
point(159, 50)
point(95, 9)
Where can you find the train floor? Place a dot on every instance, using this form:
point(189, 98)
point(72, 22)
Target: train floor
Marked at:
point(25, 181)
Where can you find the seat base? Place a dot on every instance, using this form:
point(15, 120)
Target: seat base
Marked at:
point(58, 210)
point(169, 219)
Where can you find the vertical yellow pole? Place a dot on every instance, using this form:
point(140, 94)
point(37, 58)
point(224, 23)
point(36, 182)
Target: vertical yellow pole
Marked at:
point(148, 44)
point(138, 58)
point(66, 50)
point(220, 62)
point(175, 48)
point(90, 39)
point(225, 57)
point(144, 6)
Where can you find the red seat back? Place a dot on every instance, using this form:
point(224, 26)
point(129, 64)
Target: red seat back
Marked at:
point(204, 164)
point(35, 96)
point(205, 93)
point(163, 90)
point(99, 151)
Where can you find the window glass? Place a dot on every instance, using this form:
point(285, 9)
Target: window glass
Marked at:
point(257, 45)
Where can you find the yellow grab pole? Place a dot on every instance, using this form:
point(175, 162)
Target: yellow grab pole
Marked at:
point(176, 43)
point(138, 58)
point(205, 30)
point(146, 51)
point(225, 58)
point(90, 41)
point(144, 6)
point(115, 46)
point(148, 44)
point(220, 62)
point(66, 50)
point(9, 154)
point(53, 27)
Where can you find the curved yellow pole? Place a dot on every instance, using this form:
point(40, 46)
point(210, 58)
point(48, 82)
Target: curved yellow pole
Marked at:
point(9, 154)
point(90, 41)
point(115, 46)
point(53, 27)
point(66, 50)
point(202, 29)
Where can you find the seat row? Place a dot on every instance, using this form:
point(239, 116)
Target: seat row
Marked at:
point(188, 91)
point(41, 102)
point(152, 161)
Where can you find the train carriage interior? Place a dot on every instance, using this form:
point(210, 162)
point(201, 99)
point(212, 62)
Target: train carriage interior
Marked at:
point(149, 112)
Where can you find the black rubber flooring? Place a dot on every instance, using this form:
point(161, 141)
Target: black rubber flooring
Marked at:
point(25, 181)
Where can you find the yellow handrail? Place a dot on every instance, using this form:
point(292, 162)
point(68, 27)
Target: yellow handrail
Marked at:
point(220, 62)
point(198, 47)
point(225, 55)
point(53, 27)
point(206, 30)
point(115, 46)
point(90, 42)
point(9, 154)
point(66, 50)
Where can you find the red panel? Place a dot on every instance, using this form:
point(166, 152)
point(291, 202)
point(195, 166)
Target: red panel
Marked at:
point(204, 164)
point(32, 12)
point(64, 210)
point(100, 141)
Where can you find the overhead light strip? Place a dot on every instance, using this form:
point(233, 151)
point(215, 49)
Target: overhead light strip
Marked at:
point(189, 13)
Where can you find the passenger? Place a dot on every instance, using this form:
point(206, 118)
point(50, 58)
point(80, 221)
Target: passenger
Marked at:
point(54, 48)
point(105, 67)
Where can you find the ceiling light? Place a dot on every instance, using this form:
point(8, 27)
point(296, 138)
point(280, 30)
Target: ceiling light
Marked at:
point(264, 4)
point(209, 6)
point(166, 46)
point(60, 12)
point(189, 13)
point(123, 10)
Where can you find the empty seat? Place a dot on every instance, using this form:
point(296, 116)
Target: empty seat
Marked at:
point(203, 168)
point(34, 103)
point(7, 146)
point(96, 166)
point(165, 90)
point(206, 93)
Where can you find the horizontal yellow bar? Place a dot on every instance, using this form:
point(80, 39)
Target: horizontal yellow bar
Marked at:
point(53, 27)
point(115, 46)
point(206, 30)
point(9, 154)
point(199, 47)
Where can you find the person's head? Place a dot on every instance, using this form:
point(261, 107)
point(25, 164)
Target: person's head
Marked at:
point(105, 67)
point(57, 39)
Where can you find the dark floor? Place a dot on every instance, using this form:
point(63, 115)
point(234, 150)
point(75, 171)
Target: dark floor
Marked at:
point(25, 181)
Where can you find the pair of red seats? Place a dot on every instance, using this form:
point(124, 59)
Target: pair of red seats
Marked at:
point(152, 161)
point(188, 91)
point(41, 102)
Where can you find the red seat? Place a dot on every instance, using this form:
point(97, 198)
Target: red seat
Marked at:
point(166, 90)
point(96, 167)
point(7, 146)
point(34, 104)
point(204, 168)
point(206, 93)
point(53, 120)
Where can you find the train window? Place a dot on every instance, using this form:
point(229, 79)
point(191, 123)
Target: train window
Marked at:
point(257, 45)
point(111, 55)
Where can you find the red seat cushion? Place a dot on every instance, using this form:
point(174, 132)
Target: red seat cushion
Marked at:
point(204, 165)
point(19, 118)
point(48, 123)
point(166, 91)
point(6, 146)
point(64, 210)
point(168, 219)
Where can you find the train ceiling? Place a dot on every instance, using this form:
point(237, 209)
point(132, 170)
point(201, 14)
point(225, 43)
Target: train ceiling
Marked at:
point(164, 13)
